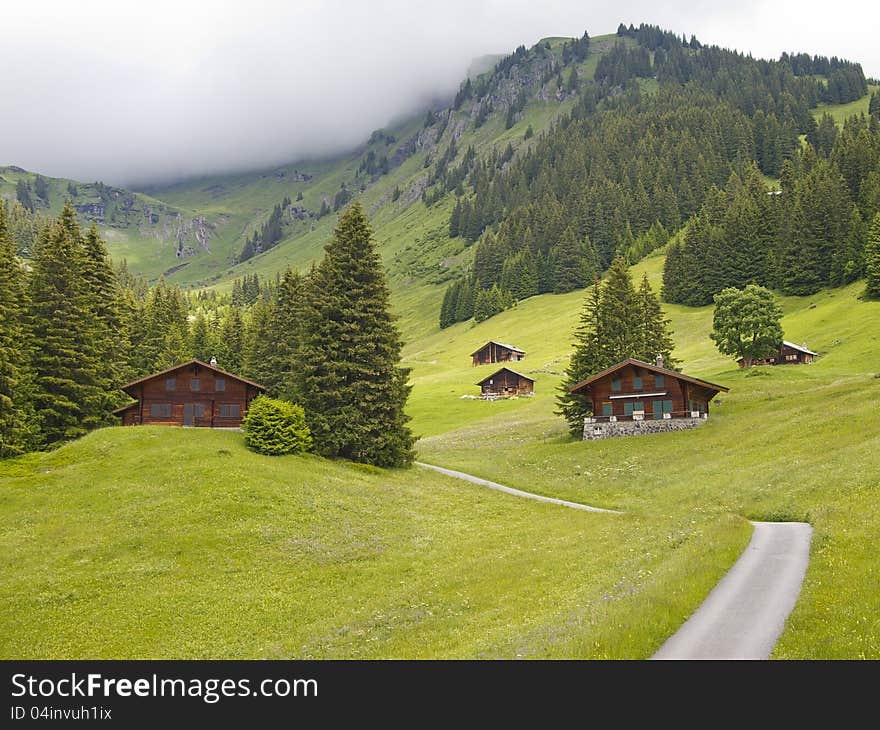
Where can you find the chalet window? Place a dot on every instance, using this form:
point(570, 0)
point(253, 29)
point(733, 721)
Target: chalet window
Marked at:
point(628, 408)
point(615, 385)
point(606, 408)
point(661, 407)
point(220, 385)
point(160, 410)
point(170, 384)
point(659, 380)
point(637, 382)
point(195, 385)
point(230, 410)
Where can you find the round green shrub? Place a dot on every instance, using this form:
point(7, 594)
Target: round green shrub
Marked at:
point(276, 427)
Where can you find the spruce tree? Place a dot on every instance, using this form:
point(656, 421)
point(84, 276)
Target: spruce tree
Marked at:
point(70, 389)
point(352, 386)
point(586, 360)
point(18, 432)
point(872, 260)
point(654, 334)
point(229, 342)
point(286, 328)
point(105, 300)
point(201, 344)
point(568, 264)
point(259, 346)
point(619, 312)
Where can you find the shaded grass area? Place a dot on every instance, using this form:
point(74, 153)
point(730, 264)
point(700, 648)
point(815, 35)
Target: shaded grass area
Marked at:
point(162, 543)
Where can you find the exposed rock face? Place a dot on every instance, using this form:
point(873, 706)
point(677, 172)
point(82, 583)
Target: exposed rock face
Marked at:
point(300, 213)
point(95, 212)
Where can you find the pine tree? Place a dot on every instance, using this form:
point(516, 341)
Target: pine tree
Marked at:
point(586, 360)
point(18, 431)
point(464, 307)
point(201, 344)
point(619, 311)
point(450, 303)
point(483, 307)
point(874, 105)
point(286, 335)
point(352, 386)
point(258, 344)
point(654, 334)
point(70, 390)
point(163, 333)
point(568, 265)
point(229, 342)
point(872, 260)
point(105, 300)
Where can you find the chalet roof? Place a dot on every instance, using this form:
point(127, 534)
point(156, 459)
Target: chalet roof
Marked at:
point(799, 348)
point(501, 370)
point(500, 344)
point(648, 366)
point(192, 362)
point(122, 409)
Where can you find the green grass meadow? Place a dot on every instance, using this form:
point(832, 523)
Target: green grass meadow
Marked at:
point(157, 543)
point(161, 543)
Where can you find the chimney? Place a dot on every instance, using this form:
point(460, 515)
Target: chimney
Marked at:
point(659, 361)
point(214, 361)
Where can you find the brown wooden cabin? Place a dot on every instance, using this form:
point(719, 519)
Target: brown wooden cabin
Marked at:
point(637, 390)
point(193, 393)
point(506, 382)
point(789, 354)
point(493, 352)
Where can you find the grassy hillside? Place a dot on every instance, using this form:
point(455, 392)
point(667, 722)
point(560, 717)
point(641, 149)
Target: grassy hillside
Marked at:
point(110, 550)
point(787, 443)
point(213, 551)
point(153, 236)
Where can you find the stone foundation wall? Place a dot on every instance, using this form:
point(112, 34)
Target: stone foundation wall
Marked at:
point(612, 429)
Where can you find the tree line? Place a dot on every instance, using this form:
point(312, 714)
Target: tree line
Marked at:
point(73, 329)
point(809, 234)
point(625, 169)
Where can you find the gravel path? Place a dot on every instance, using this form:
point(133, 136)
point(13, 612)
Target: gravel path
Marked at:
point(515, 492)
point(745, 613)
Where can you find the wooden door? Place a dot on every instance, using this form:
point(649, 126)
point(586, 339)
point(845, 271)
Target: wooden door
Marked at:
point(189, 412)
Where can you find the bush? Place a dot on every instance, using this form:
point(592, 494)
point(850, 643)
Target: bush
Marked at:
point(276, 427)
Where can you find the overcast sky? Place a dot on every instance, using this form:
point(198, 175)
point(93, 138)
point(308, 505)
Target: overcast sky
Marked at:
point(134, 93)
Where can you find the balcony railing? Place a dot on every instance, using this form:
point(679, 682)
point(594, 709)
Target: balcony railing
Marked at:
point(637, 416)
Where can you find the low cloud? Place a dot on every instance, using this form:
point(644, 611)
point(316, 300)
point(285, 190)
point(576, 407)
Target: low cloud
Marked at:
point(166, 90)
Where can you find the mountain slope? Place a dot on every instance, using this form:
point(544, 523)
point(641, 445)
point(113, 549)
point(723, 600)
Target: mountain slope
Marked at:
point(153, 236)
point(414, 238)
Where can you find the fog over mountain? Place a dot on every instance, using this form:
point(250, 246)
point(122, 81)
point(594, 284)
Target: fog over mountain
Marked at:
point(159, 91)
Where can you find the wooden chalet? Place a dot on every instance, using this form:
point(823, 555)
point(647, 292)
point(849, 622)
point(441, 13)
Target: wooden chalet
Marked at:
point(193, 393)
point(789, 354)
point(493, 352)
point(634, 390)
point(505, 383)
